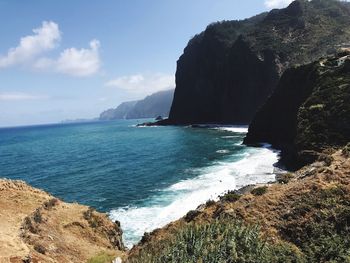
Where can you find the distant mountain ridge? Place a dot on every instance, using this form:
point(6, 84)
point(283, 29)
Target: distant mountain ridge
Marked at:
point(118, 113)
point(157, 104)
point(227, 72)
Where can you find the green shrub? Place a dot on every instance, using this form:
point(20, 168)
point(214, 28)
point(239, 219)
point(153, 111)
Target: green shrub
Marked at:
point(192, 215)
point(346, 150)
point(219, 241)
point(102, 257)
point(210, 203)
point(37, 217)
point(40, 248)
point(51, 203)
point(90, 216)
point(284, 178)
point(30, 226)
point(316, 107)
point(231, 196)
point(319, 225)
point(259, 190)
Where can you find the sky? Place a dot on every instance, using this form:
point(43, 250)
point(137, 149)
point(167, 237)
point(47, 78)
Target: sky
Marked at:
point(73, 59)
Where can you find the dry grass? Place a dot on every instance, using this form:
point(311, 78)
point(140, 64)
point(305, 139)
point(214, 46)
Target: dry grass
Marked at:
point(270, 209)
point(35, 225)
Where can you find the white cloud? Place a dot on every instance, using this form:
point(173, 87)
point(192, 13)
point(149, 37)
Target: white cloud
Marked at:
point(144, 84)
point(45, 38)
point(73, 61)
point(80, 62)
point(277, 3)
point(20, 96)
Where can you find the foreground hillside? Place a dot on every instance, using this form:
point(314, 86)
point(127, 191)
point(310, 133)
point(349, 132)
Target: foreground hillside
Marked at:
point(303, 218)
point(36, 227)
point(227, 72)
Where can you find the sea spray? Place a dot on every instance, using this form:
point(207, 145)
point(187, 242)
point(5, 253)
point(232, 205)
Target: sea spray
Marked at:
point(144, 177)
point(254, 166)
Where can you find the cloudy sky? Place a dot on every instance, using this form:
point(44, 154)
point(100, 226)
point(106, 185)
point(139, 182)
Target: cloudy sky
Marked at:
point(72, 59)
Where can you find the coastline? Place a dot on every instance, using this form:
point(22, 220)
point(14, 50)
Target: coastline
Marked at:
point(255, 166)
point(217, 179)
point(270, 204)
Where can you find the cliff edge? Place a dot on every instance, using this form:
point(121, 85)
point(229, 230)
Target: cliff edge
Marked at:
point(36, 227)
point(228, 71)
point(309, 111)
point(304, 217)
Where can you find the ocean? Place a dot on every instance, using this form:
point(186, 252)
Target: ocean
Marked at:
point(144, 177)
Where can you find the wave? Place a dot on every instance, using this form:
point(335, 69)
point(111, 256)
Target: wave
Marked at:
point(237, 129)
point(223, 151)
point(256, 166)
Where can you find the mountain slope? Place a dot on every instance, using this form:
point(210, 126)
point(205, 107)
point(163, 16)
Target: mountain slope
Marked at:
point(309, 111)
point(228, 71)
point(302, 219)
point(36, 227)
point(120, 112)
point(157, 104)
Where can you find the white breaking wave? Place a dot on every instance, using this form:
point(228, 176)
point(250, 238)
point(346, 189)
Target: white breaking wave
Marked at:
point(175, 201)
point(237, 129)
point(222, 151)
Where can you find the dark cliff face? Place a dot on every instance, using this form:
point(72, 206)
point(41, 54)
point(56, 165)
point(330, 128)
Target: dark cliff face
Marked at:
point(309, 110)
point(228, 71)
point(246, 87)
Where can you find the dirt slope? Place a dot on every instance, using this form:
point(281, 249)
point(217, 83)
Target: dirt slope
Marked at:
point(36, 227)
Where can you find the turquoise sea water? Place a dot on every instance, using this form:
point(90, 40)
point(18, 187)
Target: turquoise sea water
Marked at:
point(144, 177)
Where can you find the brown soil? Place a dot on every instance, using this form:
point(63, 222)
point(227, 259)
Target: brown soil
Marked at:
point(35, 227)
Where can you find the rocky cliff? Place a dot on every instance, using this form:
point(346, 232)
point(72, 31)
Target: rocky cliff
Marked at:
point(154, 105)
point(309, 110)
point(228, 71)
point(36, 227)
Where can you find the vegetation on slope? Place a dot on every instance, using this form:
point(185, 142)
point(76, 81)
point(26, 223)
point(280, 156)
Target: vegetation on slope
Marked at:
point(228, 71)
point(309, 110)
point(303, 219)
point(35, 227)
point(102, 257)
point(219, 241)
point(319, 223)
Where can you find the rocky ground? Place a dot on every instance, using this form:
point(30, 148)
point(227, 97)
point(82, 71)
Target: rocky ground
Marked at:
point(36, 227)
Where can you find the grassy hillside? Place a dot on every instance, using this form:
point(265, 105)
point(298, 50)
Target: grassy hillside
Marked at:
point(303, 218)
point(308, 112)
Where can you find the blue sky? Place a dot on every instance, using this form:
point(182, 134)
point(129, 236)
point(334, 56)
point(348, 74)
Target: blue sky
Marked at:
point(73, 59)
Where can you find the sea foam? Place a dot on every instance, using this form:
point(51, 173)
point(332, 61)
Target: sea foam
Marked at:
point(237, 129)
point(255, 166)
